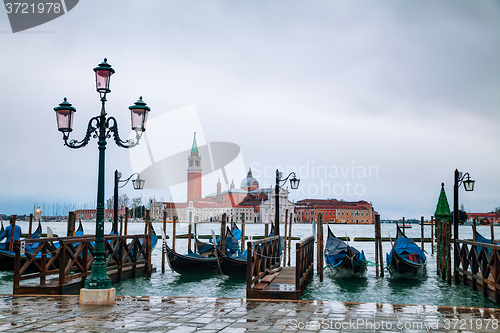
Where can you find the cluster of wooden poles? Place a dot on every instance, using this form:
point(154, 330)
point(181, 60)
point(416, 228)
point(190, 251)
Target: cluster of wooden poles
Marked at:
point(192, 228)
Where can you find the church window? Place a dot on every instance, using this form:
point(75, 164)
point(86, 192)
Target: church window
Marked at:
point(197, 163)
point(190, 163)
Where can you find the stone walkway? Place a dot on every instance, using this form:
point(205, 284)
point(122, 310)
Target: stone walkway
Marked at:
point(162, 314)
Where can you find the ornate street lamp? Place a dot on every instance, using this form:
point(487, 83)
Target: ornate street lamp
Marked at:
point(469, 186)
point(294, 183)
point(100, 127)
point(138, 184)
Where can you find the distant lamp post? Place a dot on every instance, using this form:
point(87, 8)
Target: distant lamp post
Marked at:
point(138, 184)
point(469, 186)
point(101, 127)
point(294, 184)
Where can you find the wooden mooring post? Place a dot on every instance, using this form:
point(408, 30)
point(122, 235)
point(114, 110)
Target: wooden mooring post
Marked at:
point(163, 249)
point(71, 224)
point(422, 232)
point(223, 233)
point(266, 229)
point(290, 239)
point(174, 223)
point(30, 227)
point(284, 237)
point(492, 232)
point(438, 247)
point(432, 234)
point(379, 257)
point(189, 231)
point(12, 232)
point(448, 253)
point(319, 244)
point(243, 232)
point(404, 227)
point(126, 222)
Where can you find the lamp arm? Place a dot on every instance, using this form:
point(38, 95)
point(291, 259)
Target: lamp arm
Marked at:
point(284, 180)
point(127, 180)
point(461, 180)
point(119, 142)
point(90, 129)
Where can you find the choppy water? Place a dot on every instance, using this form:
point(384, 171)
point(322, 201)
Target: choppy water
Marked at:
point(430, 291)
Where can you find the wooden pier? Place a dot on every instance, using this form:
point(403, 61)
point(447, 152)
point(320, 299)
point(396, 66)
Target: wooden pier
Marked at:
point(479, 267)
point(60, 265)
point(266, 279)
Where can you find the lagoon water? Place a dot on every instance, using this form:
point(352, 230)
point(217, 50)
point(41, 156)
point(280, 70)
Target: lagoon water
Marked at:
point(430, 291)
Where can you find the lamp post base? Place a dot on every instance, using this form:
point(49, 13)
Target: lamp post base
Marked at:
point(97, 296)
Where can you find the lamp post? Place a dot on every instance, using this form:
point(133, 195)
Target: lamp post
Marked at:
point(101, 127)
point(138, 184)
point(294, 183)
point(469, 186)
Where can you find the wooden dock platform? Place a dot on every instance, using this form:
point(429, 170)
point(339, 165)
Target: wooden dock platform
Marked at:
point(267, 280)
point(280, 286)
point(63, 263)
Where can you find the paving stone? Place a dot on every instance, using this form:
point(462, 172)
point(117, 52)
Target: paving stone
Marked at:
point(210, 315)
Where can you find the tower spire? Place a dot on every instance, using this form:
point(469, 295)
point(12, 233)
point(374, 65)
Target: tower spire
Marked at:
point(194, 147)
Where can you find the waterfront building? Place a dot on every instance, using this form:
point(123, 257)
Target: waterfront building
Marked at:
point(256, 203)
point(90, 214)
point(484, 218)
point(335, 211)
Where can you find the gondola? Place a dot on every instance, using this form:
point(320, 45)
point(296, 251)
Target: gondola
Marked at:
point(343, 261)
point(208, 249)
point(406, 259)
point(191, 263)
point(233, 261)
point(7, 257)
point(481, 239)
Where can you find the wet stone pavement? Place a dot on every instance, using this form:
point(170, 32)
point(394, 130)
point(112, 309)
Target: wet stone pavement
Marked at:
point(173, 314)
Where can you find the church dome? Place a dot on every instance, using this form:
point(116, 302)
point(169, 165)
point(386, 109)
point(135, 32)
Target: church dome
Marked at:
point(249, 183)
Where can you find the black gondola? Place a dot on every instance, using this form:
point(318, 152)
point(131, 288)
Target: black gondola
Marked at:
point(206, 250)
point(406, 259)
point(343, 261)
point(233, 262)
point(191, 263)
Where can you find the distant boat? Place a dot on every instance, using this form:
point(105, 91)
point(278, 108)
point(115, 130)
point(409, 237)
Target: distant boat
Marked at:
point(404, 226)
point(406, 259)
point(343, 261)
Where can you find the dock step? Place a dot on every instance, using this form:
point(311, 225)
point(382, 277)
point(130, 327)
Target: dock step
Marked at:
point(269, 278)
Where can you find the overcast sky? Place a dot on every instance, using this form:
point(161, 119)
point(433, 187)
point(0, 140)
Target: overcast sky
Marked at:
point(401, 92)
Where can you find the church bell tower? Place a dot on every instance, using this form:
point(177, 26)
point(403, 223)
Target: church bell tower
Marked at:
point(194, 173)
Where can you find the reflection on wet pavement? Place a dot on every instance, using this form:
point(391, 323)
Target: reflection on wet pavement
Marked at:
point(162, 314)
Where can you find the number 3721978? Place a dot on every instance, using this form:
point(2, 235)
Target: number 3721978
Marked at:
point(25, 8)
point(461, 324)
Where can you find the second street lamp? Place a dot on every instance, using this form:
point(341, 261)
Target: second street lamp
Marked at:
point(469, 186)
point(101, 127)
point(138, 184)
point(294, 183)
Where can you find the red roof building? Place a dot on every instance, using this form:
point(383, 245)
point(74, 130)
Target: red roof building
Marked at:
point(334, 211)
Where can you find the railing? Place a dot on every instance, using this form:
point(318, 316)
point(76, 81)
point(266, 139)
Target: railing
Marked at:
point(479, 267)
point(64, 260)
point(263, 258)
point(304, 263)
